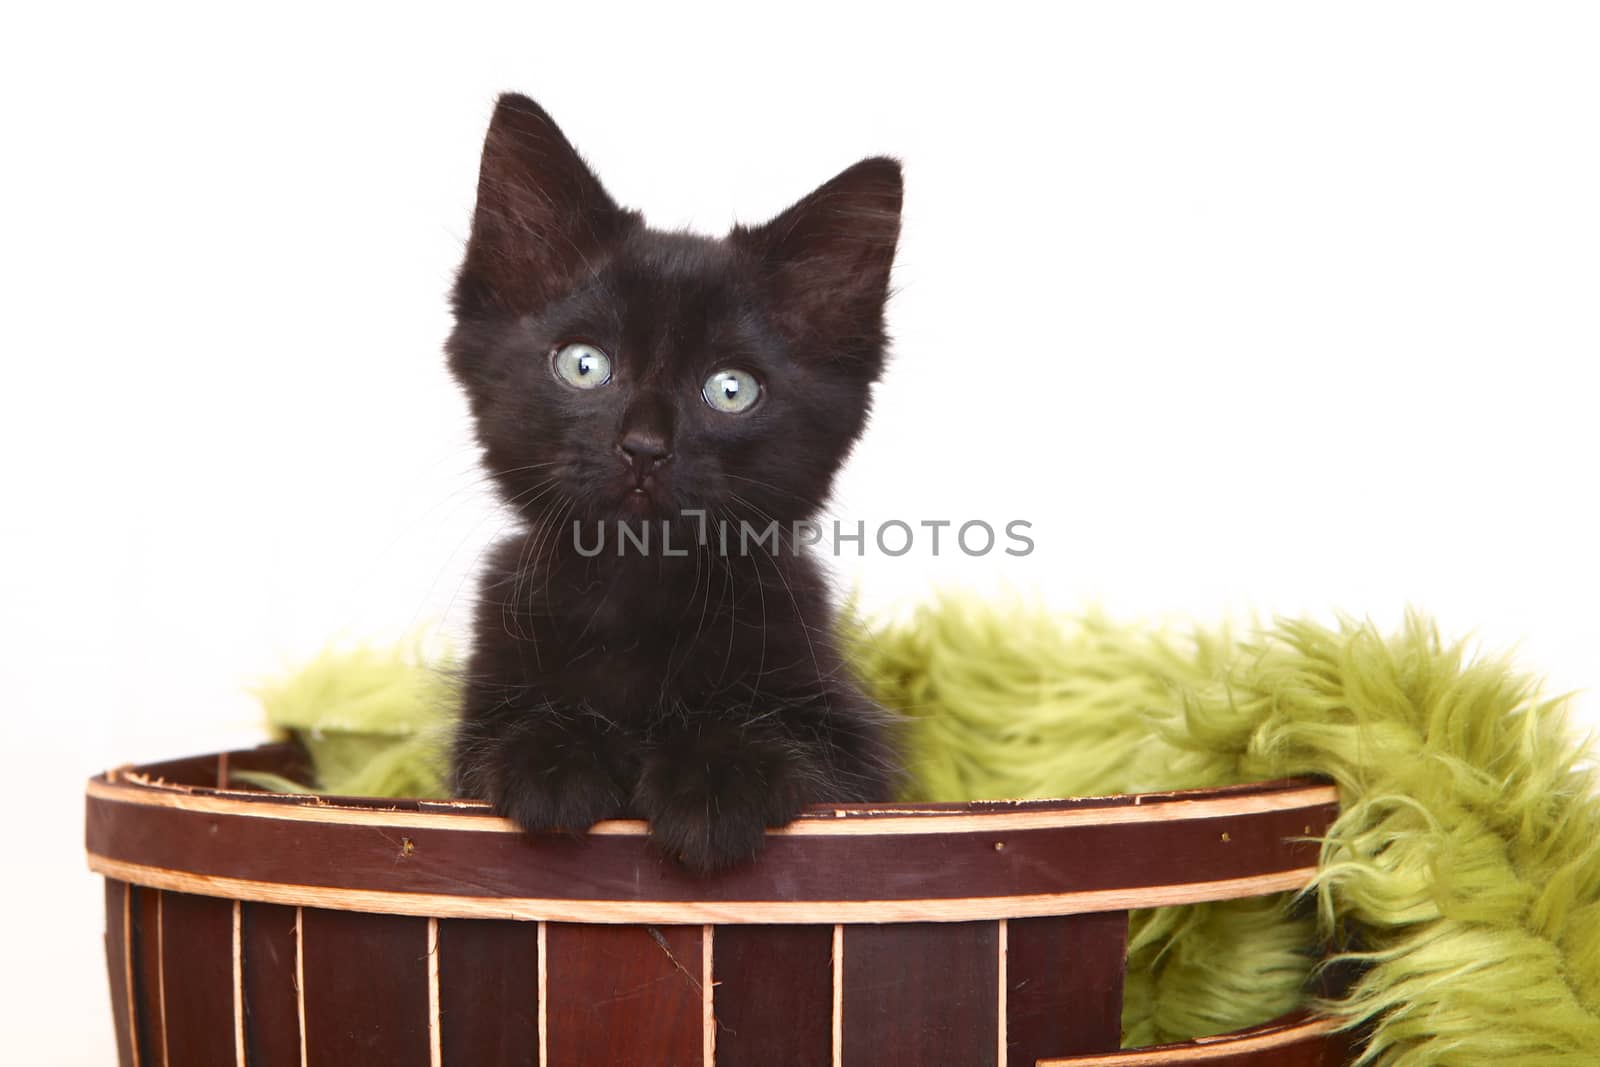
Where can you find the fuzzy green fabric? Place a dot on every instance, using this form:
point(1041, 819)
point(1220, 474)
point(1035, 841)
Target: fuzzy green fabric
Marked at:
point(1465, 861)
point(376, 721)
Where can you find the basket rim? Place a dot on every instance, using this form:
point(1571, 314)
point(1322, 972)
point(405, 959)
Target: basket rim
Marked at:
point(161, 826)
point(169, 784)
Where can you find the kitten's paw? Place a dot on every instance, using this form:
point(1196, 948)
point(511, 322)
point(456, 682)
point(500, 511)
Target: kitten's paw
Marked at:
point(569, 796)
point(706, 834)
point(711, 799)
point(552, 780)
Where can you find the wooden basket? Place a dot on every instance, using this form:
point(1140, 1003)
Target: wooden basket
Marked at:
point(258, 929)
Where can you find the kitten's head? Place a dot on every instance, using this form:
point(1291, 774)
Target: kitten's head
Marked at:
point(615, 370)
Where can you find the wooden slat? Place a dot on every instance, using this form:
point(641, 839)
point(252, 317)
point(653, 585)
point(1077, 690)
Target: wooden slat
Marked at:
point(197, 961)
point(286, 760)
point(1064, 985)
point(119, 968)
point(1044, 870)
point(237, 954)
point(708, 984)
point(150, 786)
point(620, 996)
point(836, 1023)
point(489, 992)
point(1303, 1042)
point(199, 773)
point(804, 912)
point(366, 988)
point(197, 776)
point(773, 995)
point(150, 1033)
point(196, 771)
point(921, 993)
point(271, 1002)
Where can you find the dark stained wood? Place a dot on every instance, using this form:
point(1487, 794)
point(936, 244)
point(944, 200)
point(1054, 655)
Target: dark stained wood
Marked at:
point(773, 995)
point(613, 867)
point(921, 993)
point(117, 967)
point(366, 988)
point(198, 953)
point(489, 992)
point(1064, 985)
point(212, 774)
point(1309, 1049)
point(913, 993)
point(149, 1031)
point(187, 771)
point(1343, 1049)
point(289, 759)
point(271, 1002)
point(622, 996)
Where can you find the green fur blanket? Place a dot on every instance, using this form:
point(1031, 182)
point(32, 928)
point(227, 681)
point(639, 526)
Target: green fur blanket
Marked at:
point(1465, 863)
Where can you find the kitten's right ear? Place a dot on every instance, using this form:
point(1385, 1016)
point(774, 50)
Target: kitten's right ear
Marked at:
point(542, 215)
point(827, 261)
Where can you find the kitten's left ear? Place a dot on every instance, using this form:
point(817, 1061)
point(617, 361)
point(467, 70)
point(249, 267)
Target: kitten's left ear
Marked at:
point(827, 261)
point(542, 215)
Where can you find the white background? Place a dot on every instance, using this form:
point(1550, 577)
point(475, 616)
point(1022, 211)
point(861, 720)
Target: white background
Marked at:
point(1248, 307)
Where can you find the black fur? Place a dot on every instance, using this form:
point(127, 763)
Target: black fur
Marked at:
point(702, 692)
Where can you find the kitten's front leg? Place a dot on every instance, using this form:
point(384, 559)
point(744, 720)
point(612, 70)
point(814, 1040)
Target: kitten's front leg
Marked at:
point(711, 784)
point(546, 768)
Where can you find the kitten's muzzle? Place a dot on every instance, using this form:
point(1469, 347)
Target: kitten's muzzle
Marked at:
point(644, 451)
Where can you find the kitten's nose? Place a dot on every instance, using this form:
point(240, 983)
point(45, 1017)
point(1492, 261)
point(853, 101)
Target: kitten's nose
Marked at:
point(645, 436)
point(645, 448)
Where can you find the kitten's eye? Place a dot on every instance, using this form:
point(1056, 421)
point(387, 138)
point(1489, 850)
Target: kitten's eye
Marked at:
point(582, 366)
point(732, 391)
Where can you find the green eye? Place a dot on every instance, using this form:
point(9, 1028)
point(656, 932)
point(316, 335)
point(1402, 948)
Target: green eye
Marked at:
point(732, 391)
point(582, 366)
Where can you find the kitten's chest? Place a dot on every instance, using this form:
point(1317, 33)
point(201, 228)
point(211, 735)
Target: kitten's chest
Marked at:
point(655, 666)
point(634, 647)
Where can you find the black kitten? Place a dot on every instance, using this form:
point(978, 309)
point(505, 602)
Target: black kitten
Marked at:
point(629, 383)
